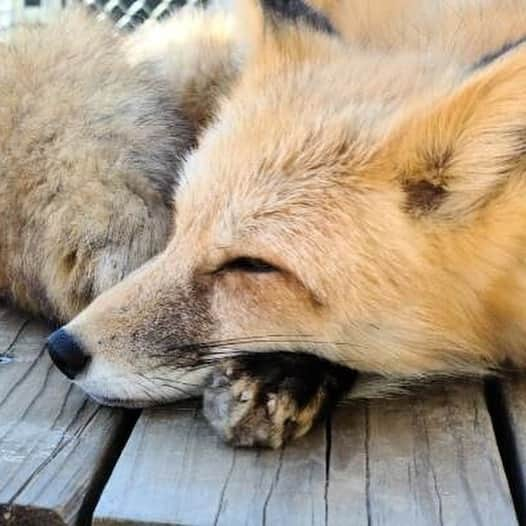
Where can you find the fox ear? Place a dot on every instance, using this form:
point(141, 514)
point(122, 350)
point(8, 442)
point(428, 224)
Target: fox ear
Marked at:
point(296, 12)
point(468, 149)
point(269, 23)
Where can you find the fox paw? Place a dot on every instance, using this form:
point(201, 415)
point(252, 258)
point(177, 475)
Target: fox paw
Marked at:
point(267, 399)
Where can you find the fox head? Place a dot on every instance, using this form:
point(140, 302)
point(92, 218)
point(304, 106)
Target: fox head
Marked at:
point(361, 207)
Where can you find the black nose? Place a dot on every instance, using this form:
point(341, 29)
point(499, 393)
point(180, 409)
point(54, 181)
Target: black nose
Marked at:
point(66, 353)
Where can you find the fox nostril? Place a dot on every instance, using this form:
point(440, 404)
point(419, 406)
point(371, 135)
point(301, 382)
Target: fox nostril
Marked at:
point(66, 353)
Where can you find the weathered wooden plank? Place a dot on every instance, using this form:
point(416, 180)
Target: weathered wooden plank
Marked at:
point(508, 399)
point(55, 445)
point(11, 324)
point(174, 470)
point(425, 461)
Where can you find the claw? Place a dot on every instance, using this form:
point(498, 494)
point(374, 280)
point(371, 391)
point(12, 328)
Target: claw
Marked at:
point(272, 404)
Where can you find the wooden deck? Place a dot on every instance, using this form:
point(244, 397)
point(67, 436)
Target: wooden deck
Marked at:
point(456, 456)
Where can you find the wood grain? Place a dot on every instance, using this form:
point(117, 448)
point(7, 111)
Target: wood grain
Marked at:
point(174, 470)
point(431, 460)
point(55, 445)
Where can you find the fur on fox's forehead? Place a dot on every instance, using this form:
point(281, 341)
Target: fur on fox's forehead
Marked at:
point(300, 124)
point(270, 172)
point(306, 121)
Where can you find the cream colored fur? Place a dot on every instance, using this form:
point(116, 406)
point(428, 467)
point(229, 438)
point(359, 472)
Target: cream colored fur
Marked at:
point(381, 175)
point(93, 129)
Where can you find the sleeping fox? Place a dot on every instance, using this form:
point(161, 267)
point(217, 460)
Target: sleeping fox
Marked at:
point(354, 204)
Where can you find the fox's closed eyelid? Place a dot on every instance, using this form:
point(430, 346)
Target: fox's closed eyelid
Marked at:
point(247, 264)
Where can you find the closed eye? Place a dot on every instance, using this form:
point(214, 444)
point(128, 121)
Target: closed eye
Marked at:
point(245, 264)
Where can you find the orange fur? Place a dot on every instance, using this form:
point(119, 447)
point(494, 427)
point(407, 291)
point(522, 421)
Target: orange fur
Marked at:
point(386, 188)
point(461, 28)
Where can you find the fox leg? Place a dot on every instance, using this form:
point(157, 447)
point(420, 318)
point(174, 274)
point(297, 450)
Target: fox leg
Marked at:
point(267, 399)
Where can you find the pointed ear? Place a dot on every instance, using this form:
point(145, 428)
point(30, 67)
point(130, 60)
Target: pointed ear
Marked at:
point(271, 24)
point(464, 152)
point(296, 12)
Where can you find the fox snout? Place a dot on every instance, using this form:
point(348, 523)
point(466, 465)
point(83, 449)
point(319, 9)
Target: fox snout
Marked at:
point(67, 353)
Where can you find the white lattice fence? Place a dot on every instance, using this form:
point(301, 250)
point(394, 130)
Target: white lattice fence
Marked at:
point(127, 14)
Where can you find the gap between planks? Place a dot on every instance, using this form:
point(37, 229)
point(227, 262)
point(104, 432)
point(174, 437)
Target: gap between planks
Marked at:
point(506, 401)
point(56, 447)
point(429, 459)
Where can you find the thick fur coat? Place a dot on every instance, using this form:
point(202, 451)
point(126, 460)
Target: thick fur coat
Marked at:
point(358, 200)
point(93, 129)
